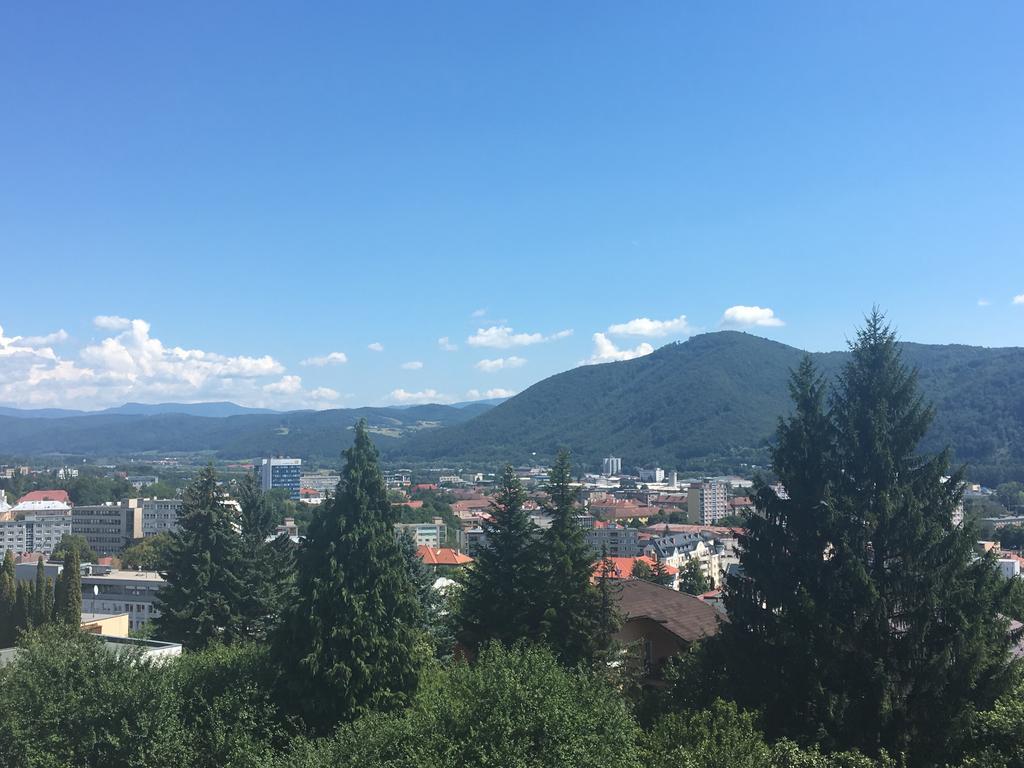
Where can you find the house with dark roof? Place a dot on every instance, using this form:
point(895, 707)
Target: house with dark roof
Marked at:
point(662, 621)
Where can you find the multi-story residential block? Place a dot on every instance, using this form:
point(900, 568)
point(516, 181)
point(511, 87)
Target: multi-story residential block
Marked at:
point(281, 473)
point(110, 527)
point(614, 540)
point(34, 532)
point(433, 535)
point(160, 515)
point(708, 502)
point(139, 481)
point(611, 466)
point(117, 591)
point(322, 482)
point(656, 475)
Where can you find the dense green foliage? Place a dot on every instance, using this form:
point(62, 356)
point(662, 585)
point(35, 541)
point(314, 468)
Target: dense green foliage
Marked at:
point(348, 640)
point(692, 578)
point(73, 542)
point(152, 553)
point(67, 601)
point(201, 602)
point(572, 618)
point(498, 597)
point(862, 618)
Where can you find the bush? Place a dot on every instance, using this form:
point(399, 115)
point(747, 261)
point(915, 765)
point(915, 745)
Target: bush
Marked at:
point(68, 701)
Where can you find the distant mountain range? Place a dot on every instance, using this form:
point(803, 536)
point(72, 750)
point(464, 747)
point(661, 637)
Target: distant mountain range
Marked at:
point(210, 410)
point(717, 396)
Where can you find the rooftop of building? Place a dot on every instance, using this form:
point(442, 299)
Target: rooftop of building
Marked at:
point(54, 494)
point(687, 617)
point(442, 556)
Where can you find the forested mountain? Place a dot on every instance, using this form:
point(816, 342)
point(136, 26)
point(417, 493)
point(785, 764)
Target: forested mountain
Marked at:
point(309, 434)
point(720, 394)
point(716, 396)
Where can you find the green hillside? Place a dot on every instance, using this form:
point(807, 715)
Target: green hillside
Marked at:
point(720, 395)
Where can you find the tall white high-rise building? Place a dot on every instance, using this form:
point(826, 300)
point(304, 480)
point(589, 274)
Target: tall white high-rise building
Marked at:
point(611, 466)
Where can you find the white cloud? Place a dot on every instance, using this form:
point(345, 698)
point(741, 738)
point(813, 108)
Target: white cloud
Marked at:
point(324, 393)
point(478, 313)
point(503, 337)
point(331, 358)
point(375, 347)
point(475, 394)
point(983, 302)
point(1019, 299)
point(132, 365)
point(605, 351)
point(424, 396)
point(287, 385)
point(445, 343)
point(111, 322)
point(644, 326)
point(742, 316)
point(499, 363)
point(412, 365)
point(57, 337)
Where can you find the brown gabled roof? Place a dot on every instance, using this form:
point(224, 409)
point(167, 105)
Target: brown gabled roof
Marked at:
point(687, 617)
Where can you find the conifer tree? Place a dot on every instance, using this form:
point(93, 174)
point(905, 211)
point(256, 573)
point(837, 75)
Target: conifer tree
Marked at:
point(23, 607)
point(68, 610)
point(8, 598)
point(609, 619)
point(572, 610)
point(42, 596)
point(266, 563)
point(499, 600)
point(660, 574)
point(692, 579)
point(202, 599)
point(347, 641)
point(862, 618)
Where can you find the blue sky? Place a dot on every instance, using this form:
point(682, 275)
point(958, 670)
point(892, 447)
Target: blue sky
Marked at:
point(257, 185)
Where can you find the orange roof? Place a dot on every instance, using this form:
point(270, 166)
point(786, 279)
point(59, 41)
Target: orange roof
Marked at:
point(442, 556)
point(622, 567)
point(54, 495)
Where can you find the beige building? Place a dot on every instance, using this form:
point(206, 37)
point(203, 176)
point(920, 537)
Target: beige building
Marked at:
point(110, 527)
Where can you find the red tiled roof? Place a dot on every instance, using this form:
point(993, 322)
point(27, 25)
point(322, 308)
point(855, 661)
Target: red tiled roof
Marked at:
point(442, 556)
point(53, 495)
point(622, 567)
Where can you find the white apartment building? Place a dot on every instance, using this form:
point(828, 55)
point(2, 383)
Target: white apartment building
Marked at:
point(34, 533)
point(160, 515)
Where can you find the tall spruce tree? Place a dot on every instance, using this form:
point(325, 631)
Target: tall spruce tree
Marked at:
point(779, 640)
point(499, 599)
point(347, 642)
point(572, 606)
point(266, 563)
point(871, 622)
point(8, 598)
point(23, 607)
point(42, 596)
point(202, 599)
point(68, 610)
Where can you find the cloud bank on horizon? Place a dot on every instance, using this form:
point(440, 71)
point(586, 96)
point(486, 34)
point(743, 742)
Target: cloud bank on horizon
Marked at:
point(130, 364)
